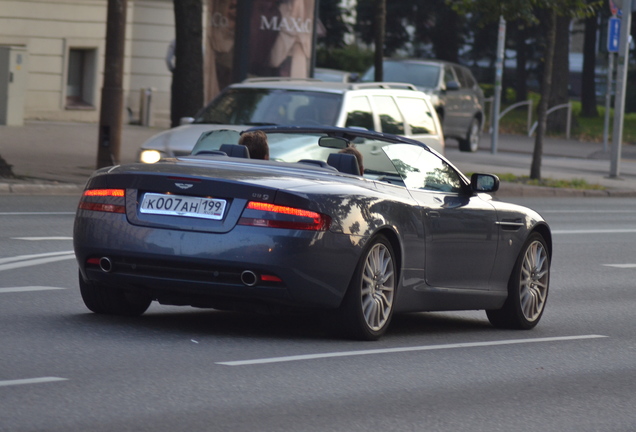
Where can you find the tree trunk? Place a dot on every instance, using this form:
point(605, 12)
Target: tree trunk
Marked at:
point(446, 35)
point(187, 78)
point(546, 84)
point(112, 102)
point(588, 83)
point(559, 94)
point(521, 78)
point(380, 26)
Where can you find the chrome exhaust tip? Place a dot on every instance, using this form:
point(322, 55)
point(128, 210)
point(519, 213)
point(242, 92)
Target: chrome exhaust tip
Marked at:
point(249, 278)
point(105, 264)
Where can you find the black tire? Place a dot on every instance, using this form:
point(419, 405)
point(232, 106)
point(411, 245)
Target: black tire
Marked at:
point(527, 288)
point(367, 309)
point(471, 142)
point(103, 299)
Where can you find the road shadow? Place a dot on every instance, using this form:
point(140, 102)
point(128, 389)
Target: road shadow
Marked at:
point(309, 326)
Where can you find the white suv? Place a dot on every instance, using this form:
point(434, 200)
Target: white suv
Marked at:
point(394, 108)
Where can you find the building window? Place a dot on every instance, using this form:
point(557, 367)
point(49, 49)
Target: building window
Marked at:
point(80, 80)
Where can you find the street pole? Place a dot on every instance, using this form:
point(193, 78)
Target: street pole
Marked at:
point(621, 81)
point(501, 42)
point(112, 104)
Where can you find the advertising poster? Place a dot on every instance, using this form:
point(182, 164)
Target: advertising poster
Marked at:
point(281, 38)
point(219, 46)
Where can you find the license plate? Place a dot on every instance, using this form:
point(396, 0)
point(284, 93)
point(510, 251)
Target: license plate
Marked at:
point(179, 205)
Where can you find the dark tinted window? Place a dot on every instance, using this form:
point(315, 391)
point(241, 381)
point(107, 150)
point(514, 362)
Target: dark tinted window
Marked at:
point(449, 75)
point(465, 77)
point(265, 106)
point(360, 114)
point(390, 118)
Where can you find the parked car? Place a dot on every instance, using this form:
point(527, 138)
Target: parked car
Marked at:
point(307, 231)
point(458, 99)
point(397, 109)
point(335, 75)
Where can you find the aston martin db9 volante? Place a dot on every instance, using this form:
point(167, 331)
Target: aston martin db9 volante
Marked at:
point(307, 230)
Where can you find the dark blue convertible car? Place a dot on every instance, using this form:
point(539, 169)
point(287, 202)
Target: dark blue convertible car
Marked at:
point(306, 230)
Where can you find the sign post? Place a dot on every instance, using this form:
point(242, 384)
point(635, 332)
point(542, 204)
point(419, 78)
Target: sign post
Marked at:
point(501, 41)
point(621, 81)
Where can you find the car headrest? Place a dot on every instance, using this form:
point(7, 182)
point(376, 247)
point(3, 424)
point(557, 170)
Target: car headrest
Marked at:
point(344, 162)
point(235, 150)
point(316, 162)
point(211, 152)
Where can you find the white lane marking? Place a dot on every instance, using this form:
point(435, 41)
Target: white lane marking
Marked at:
point(621, 265)
point(404, 349)
point(587, 211)
point(32, 256)
point(34, 213)
point(31, 381)
point(31, 260)
point(28, 288)
point(595, 231)
point(42, 238)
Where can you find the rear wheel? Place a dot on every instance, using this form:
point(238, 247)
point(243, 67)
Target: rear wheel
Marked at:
point(471, 142)
point(103, 299)
point(367, 308)
point(527, 288)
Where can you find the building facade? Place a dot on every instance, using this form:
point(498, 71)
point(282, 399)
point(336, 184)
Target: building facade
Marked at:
point(52, 60)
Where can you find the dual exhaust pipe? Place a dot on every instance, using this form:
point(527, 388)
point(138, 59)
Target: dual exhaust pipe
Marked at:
point(248, 277)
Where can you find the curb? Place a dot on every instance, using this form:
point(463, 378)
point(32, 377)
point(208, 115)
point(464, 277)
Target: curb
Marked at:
point(26, 188)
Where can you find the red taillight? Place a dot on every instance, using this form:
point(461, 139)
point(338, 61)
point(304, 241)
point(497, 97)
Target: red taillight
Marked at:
point(269, 216)
point(113, 202)
point(105, 192)
point(270, 278)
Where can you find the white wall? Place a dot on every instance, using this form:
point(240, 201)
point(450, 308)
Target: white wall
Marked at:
point(48, 28)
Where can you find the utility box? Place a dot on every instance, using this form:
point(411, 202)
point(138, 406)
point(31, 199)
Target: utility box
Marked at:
point(13, 76)
point(146, 106)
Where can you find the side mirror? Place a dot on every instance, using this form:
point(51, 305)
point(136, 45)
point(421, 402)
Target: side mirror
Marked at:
point(484, 182)
point(186, 120)
point(452, 85)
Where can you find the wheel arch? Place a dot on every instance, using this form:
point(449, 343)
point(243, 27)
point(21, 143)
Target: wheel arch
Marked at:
point(394, 239)
point(545, 232)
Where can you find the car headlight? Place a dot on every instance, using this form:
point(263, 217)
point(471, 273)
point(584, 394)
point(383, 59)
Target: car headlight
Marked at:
point(150, 156)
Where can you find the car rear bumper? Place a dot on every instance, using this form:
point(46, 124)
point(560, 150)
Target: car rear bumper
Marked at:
point(253, 264)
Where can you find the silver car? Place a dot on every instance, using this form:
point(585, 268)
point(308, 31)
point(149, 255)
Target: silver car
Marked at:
point(458, 99)
point(307, 231)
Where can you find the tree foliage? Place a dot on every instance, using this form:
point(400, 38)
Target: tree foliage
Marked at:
point(530, 11)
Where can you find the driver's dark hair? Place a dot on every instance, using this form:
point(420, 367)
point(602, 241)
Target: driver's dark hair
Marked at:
point(256, 143)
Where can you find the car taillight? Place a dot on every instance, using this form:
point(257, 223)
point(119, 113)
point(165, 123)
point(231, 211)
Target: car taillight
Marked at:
point(104, 200)
point(276, 216)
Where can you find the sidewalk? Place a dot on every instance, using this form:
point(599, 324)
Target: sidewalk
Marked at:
point(57, 158)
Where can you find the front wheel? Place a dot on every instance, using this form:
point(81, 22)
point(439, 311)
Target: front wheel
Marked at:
point(103, 299)
point(367, 308)
point(471, 142)
point(527, 288)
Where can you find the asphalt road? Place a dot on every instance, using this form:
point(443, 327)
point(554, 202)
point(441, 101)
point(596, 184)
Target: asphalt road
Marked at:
point(176, 369)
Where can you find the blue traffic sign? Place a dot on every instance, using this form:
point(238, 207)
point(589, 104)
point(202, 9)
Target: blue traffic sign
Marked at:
point(613, 34)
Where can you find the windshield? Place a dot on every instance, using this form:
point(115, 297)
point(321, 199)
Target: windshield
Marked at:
point(382, 160)
point(246, 106)
point(418, 74)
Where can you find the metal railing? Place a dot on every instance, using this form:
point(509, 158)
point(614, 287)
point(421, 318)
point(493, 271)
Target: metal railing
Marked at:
point(568, 124)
